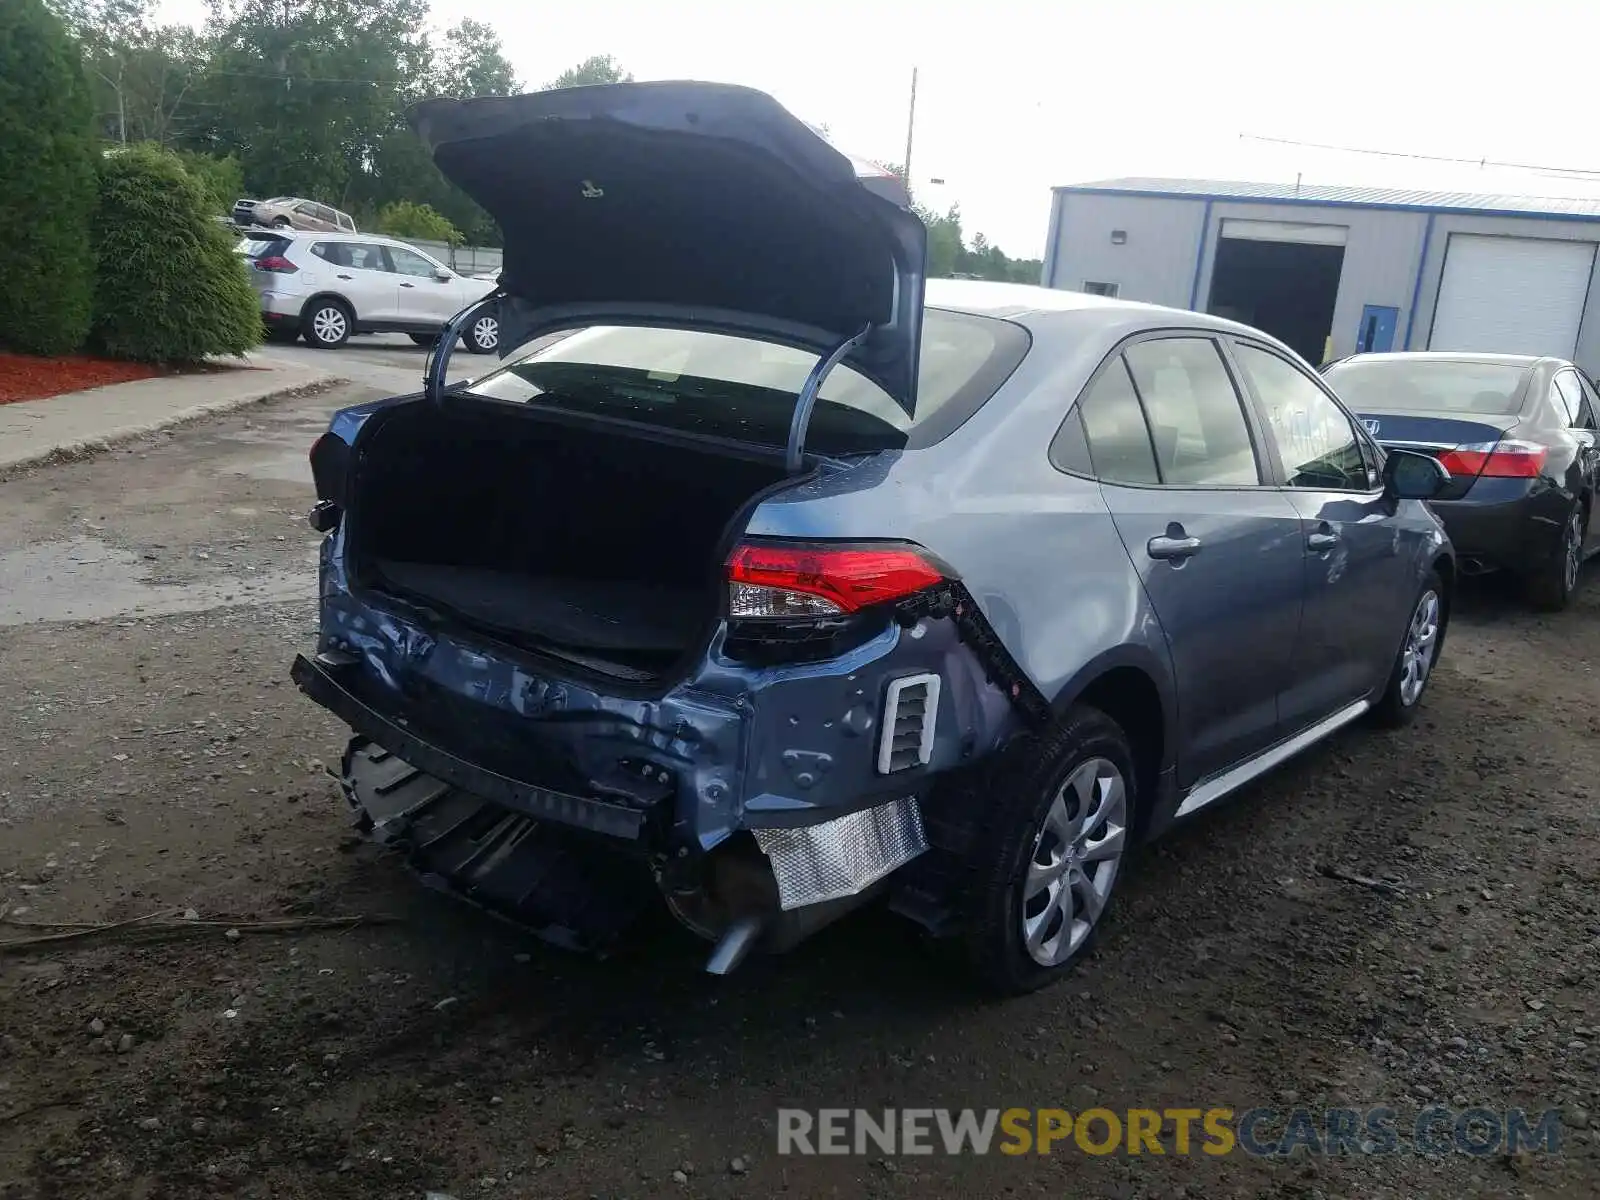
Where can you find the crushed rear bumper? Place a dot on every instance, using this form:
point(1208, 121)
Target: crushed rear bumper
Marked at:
point(617, 817)
point(760, 802)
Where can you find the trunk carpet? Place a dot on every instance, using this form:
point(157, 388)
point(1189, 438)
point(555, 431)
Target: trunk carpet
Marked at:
point(582, 614)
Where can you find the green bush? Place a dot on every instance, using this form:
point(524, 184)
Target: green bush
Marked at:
point(222, 178)
point(403, 219)
point(168, 287)
point(47, 186)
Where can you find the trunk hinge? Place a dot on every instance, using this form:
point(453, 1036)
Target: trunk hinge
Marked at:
point(433, 377)
point(794, 456)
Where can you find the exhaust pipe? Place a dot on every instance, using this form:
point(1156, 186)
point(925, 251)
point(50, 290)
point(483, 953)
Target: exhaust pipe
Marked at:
point(735, 945)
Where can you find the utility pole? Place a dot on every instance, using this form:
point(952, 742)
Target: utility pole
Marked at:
point(911, 126)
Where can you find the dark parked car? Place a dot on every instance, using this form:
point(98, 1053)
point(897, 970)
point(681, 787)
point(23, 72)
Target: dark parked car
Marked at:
point(1517, 435)
point(784, 583)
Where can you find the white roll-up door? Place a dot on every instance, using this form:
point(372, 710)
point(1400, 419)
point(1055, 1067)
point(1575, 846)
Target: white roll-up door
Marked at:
point(1507, 295)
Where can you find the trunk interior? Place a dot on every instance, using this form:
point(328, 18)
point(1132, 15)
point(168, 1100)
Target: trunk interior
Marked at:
point(592, 544)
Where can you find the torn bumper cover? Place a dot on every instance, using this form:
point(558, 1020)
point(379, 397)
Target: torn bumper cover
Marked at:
point(843, 857)
point(624, 818)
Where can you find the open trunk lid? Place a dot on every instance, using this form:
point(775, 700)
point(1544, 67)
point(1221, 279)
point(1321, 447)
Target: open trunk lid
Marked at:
point(694, 205)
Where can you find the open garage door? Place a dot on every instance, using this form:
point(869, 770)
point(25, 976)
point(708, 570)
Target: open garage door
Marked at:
point(1508, 295)
point(1281, 277)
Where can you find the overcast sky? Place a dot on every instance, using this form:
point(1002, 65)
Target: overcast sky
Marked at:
point(1015, 96)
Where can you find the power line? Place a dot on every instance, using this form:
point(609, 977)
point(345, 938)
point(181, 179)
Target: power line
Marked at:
point(1538, 168)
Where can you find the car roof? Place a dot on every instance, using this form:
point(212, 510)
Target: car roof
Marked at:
point(298, 200)
point(1042, 307)
point(1452, 356)
point(322, 235)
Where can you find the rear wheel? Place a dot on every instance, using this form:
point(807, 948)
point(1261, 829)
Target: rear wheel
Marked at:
point(1419, 653)
point(1550, 586)
point(423, 339)
point(1062, 823)
point(327, 324)
point(281, 223)
point(482, 335)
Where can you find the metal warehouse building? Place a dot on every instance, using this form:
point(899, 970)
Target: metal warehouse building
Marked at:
point(1335, 270)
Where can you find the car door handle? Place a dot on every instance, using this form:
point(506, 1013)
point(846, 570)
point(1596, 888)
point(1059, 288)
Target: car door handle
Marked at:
point(1322, 540)
point(408, 285)
point(1169, 548)
point(346, 277)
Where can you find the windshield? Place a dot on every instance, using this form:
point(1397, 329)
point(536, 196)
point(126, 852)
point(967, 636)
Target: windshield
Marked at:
point(744, 389)
point(1429, 385)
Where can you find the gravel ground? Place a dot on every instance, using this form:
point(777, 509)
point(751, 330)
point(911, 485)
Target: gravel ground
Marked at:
point(155, 758)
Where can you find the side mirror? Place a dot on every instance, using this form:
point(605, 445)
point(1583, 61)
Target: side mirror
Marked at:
point(1408, 475)
point(443, 276)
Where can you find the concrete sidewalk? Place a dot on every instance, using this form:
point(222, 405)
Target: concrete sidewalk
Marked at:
point(34, 431)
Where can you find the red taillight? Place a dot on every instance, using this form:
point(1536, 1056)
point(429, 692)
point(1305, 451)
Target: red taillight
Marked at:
point(276, 263)
point(1506, 459)
point(777, 580)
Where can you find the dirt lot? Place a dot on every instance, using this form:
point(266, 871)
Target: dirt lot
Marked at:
point(154, 758)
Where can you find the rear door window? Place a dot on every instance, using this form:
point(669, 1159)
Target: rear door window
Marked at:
point(361, 256)
point(364, 256)
point(1197, 422)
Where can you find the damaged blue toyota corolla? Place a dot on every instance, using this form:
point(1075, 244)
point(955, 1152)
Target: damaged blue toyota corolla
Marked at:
point(777, 584)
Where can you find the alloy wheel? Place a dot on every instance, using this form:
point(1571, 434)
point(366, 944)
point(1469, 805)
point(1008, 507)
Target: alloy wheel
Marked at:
point(1572, 550)
point(1422, 645)
point(1076, 856)
point(329, 324)
point(486, 333)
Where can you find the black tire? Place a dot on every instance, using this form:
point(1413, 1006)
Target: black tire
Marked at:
point(327, 324)
point(482, 334)
point(1399, 703)
point(1024, 791)
point(280, 335)
point(423, 339)
point(1549, 588)
point(283, 223)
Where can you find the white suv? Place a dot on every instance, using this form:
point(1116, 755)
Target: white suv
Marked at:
point(326, 286)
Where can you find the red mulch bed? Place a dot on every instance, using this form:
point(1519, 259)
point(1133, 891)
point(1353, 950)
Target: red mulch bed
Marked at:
point(24, 377)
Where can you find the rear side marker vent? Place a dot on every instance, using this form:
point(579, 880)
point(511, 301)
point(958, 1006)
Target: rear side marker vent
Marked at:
point(910, 711)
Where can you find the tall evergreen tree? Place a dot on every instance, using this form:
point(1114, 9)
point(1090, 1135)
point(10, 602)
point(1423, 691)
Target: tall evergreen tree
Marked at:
point(47, 183)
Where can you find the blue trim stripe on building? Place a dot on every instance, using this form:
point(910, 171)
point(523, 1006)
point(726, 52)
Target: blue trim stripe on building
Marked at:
point(1318, 202)
point(1416, 289)
point(1200, 257)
